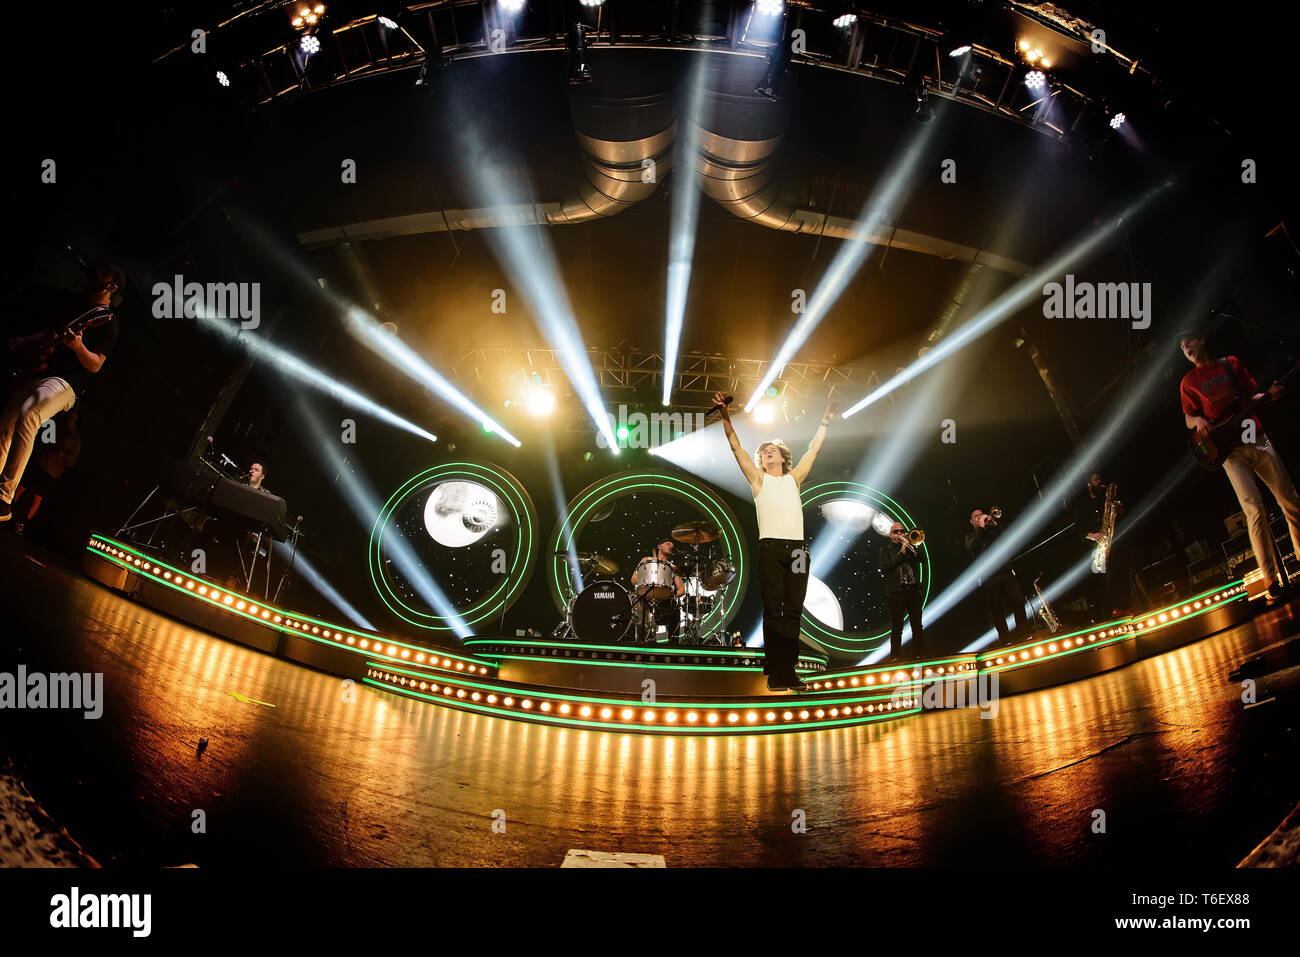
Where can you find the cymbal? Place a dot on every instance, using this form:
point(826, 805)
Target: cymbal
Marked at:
point(599, 564)
point(696, 533)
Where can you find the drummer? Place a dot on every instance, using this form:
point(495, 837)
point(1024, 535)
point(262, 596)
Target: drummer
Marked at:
point(663, 553)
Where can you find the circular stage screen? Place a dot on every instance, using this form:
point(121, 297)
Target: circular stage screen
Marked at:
point(623, 518)
point(454, 547)
point(846, 523)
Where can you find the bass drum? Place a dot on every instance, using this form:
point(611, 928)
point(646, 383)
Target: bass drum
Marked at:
point(600, 613)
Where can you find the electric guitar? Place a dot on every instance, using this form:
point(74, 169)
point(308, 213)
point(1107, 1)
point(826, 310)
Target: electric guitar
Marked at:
point(29, 355)
point(1212, 450)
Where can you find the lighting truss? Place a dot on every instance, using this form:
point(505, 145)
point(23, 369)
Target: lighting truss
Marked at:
point(636, 371)
point(883, 48)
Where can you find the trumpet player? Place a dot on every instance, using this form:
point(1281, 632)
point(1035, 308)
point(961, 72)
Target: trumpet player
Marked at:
point(900, 563)
point(1001, 590)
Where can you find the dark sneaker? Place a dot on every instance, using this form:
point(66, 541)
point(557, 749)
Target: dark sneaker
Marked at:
point(794, 684)
point(1274, 593)
point(6, 512)
point(776, 684)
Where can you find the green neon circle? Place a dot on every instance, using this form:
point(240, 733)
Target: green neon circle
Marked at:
point(589, 499)
point(856, 642)
point(513, 493)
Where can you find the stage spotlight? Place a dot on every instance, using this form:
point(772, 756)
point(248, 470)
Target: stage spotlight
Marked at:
point(387, 23)
point(373, 336)
point(592, 3)
point(579, 73)
point(764, 413)
point(541, 400)
point(1036, 80)
point(306, 373)
point(309, 43)
point(769, 86)
point(512, 6)
point(682, 227)
point(770, 8)
point(1026, 290)
point(845, 21)
point(1118, 120)
point(960, 51)
point(318, 581)
point(308, 16)
point(924, 111)
point(222, 78)
point(623, 433)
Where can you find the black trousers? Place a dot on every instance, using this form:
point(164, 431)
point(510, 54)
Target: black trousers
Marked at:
point(1113, 590)
point(907, 602)
point(783, 581)
point(1002, 594)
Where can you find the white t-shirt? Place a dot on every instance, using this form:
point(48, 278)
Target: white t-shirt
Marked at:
point(780, 513)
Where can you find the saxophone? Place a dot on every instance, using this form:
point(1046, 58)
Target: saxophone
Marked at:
point(1101, 554)
point(1045, 612)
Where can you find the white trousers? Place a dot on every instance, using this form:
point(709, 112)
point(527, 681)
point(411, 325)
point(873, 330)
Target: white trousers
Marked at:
point(1242, 465)
point(27, 408)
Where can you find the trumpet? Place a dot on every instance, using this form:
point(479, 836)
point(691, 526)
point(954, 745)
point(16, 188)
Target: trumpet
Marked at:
point(995, 513)
point(916, 536)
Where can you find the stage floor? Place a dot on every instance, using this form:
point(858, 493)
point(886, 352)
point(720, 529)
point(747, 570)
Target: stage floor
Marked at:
point(301, 770)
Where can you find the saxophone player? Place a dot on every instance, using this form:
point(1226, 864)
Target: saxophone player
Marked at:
point(1108, 592)
point(900, 563)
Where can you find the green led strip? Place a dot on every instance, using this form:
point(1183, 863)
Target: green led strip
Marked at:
point(849, 642)
point(507, 590)
point(570, 695)
point(859, 696)
point(285, 616)
point(1229, 593)
point(589, 499)
point(681, 651)
point(665, 707)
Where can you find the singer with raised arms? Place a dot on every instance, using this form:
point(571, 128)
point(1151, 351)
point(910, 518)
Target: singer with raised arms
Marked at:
point(782, 553)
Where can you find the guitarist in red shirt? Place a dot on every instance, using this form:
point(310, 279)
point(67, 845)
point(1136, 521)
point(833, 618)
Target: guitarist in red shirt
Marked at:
point(52, 368)
point(1216, 388)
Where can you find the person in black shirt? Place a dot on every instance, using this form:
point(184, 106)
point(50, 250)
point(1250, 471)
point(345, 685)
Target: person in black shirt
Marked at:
point(1001, 590)
point(55, 388)
point(900, 563)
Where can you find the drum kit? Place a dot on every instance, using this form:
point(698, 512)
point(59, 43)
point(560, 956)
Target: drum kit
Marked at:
point(652, 612)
